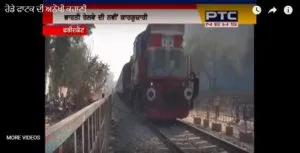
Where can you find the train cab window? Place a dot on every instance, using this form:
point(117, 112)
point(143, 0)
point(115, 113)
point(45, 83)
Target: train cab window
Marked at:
point(157, 63)
point(177, 63)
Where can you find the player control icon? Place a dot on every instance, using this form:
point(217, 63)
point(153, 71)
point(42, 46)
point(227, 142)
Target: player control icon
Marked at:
point(256, 10)
point(272, 10)
point(288, 10)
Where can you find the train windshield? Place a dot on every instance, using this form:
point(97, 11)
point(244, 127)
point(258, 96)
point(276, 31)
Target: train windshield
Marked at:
point(166, 63)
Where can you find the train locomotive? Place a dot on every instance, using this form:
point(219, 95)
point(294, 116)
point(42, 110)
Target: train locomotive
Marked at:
point(156, 80)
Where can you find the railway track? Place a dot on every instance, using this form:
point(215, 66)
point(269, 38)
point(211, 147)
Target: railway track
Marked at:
point(181, 137)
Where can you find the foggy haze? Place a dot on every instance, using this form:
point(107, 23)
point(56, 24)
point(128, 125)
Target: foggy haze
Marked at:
point(234, 63)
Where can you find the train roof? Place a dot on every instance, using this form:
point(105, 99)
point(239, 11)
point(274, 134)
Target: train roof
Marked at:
point(173, 29)
point(166, 28)
point(163, 28)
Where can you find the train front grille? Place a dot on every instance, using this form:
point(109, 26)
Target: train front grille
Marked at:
point(172, 99)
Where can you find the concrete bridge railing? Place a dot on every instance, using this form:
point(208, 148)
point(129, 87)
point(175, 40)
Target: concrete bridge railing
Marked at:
point(86, 131)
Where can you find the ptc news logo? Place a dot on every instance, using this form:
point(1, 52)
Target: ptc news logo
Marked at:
point(221, 19)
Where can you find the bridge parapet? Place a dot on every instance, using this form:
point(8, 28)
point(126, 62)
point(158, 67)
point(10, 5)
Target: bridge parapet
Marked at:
point(86, 131)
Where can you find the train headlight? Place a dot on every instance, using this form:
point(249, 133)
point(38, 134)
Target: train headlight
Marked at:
point(151, 94)
point(188, 93)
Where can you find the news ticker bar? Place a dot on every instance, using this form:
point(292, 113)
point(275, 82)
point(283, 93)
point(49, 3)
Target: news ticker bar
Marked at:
point(149, 1)
point(65, 30)
point(141, 14)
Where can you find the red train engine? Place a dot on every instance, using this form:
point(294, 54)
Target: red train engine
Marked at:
point(156, 80)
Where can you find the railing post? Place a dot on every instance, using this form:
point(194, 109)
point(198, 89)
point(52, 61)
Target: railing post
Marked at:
point(96, 124)
point(75, 142)
point(107, 121)
point(100, 131)
point(97, 129)
point(94, 127)
point(88, 132)
point(82, 137)
point(92, 130)
point(104, 129)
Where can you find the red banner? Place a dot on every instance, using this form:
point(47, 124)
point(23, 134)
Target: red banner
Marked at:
point(58, 30)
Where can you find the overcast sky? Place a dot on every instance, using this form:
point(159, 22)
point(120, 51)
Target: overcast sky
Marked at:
point(114, 43)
